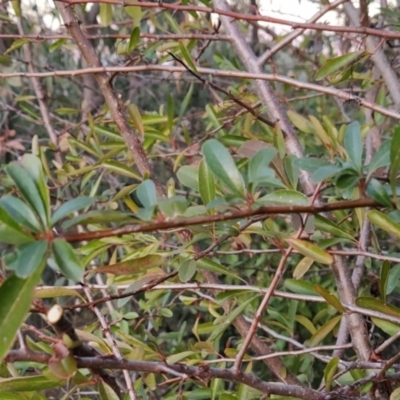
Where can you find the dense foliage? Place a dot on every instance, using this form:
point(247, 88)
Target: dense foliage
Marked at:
point(198, 202)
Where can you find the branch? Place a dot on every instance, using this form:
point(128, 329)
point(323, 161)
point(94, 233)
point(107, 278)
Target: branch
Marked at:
point(114, 103)
point(240, 214)
point(342, 94)
point(244, 17)
point(201, 373)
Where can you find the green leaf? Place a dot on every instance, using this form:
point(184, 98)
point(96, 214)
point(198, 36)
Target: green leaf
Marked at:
point(134, 39)
point(394, 161)
point(330, 298)
point(376, 191)
point(388, 327)
point(378, 305)
point(29, 257)
point(330, 371)
point(381, 158)
point(21, 213)
point(106, 392)
point(187, 57)
point(300, 122)
point(135, 13)
point(134, 113)
point(66, 260)
point(384, 276)
point(299, 286)
point(28, 189)
point(33, 165)
point(310, 250)
point(147, 194)
point(28, 384)
point(210, 265)
point(326, 225)
point(229, 319)
point(99, 216)
point(16, 5)
point(325, 172)
point(105, 14)
point(258, 165)
point(223, 167)
point(120, 169)
point(133, 266)
point(353, 144)
point(69, 207)
point(10, 231)
point(16, 45)
point(335, 64)
point(187, 270)
point(206, 183)
point(302, 267)
point(16, 295)
point(324, 331)
point(188, 176)
point(285, 197)
point(393, 280)
point(384, 222)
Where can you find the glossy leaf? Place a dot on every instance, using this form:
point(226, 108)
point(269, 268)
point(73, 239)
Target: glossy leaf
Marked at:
point(70, 207)
point(206, 183)
point(28, 384)
point(66, 260)
point(334, 65)
point(21, 213)
point(378, 305)
point(16, 295)
point(188, 176)
point(353, 144)
point(134, 39)
point(187, 270)
point(328, 226)
point(330, 298)
point(136, 118)
point(147, 194)
point(132, 266)
point(106, 392)
point(394, 161)
point(299, 286)
point(302, 267)
point(258, 165)
point(330, 371)
point(311, 250)
point(120, 169)
point(187, 57)
point(383, 222)
point(285, 197)
point(105, 14)
point(227, 320)
point(29, 257)
point(10, 231)
point(384, 277)
point(28, 189)
point(388, 327)
point(381, 158)
point(393, 280)
point(376, 191)
point(324, 331)
point(221, 164)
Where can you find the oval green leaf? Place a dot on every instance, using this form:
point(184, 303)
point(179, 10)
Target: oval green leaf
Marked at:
point(66, 260)
point(383, 222)
point(223, 167)
point(311, 250)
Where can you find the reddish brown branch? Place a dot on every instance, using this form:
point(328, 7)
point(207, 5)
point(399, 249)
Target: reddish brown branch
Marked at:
point(246, 17)
point(240, 214)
